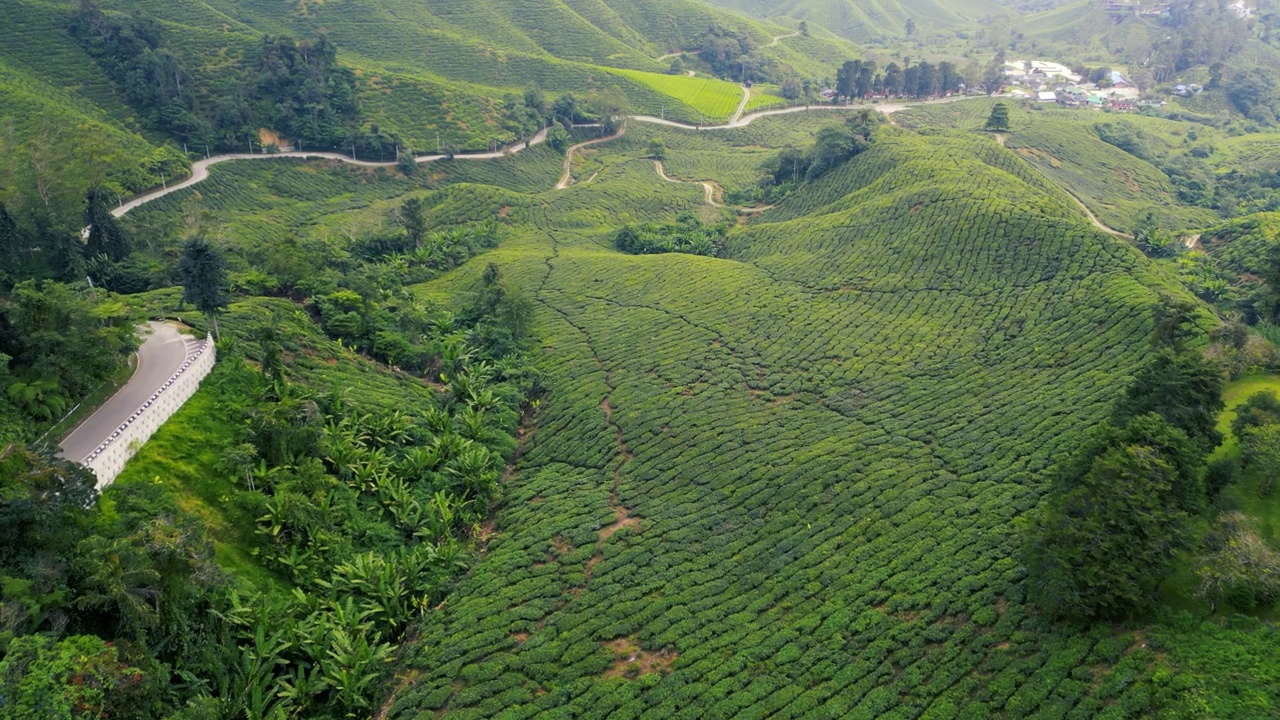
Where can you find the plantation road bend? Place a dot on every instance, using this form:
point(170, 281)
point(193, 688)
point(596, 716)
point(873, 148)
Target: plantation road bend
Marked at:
point(161, 354)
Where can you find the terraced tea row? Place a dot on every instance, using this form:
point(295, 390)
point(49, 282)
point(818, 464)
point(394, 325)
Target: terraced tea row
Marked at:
point(819, 467)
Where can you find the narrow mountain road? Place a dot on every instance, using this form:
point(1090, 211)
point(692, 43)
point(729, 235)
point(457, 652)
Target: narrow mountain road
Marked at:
point(200, 168)
point(160, 356)
point(745, 120)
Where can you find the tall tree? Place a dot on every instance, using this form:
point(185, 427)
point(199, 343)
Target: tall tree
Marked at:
point(10, 248)
point(998, 120)
point(106, 237)
point(1182, 387)
point(1101, 548)
point(203, 275)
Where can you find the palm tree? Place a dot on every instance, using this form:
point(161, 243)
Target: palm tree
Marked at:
point(38, 397)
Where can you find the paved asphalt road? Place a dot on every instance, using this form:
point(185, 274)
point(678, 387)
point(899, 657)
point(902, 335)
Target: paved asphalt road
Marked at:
point(160, 356)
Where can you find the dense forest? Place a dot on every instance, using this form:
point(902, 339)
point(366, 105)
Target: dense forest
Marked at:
point(294, 87)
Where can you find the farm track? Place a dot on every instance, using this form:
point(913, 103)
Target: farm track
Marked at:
point(566, 179)
point(709, 187)
point(1002, 137)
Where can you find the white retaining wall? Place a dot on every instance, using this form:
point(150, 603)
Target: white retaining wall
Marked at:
point(109, 458)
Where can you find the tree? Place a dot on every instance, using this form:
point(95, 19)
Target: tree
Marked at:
point(998, 121)
point(1182, 387)
point(911, 27)
point(1254, 93)
point(610, 106)
point(657, 148)
point(52, 332)
point(565, 109)
point(790, 88)
point(1260, 408)
point(10, 246)
point(535, 100)
point(79, 676)
point(413, 218)
point(1240, 569)
point(203, 275)
point(676, 67)
point(1270, 300)
point(1260, 451)
point(993, 75)
point(406, 164)
point(1106, 539)
point(558, 138)
point(804, 28)
point(105, 235)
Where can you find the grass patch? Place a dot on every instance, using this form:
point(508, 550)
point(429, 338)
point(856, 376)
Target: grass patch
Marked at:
point(716, 99)
point(185, 457)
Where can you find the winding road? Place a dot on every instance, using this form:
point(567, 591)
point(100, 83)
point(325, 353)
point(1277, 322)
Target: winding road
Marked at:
point(200, 168)
point(159, 357)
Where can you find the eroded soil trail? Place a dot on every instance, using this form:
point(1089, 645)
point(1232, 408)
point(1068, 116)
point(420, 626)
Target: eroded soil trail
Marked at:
point(710, 190)
point(566, 178)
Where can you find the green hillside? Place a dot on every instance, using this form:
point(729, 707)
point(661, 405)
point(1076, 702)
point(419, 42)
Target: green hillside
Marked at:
point(873, 362)
point(874, 21)
point(798, 499)
point(770, 420)
point(426, 77)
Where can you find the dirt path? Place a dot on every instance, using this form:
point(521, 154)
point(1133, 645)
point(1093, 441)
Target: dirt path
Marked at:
point(1094, 218)
point(1002, 138)
point(709, 189)
point(737, 114)
point(566, 179)
point(774, 41)
point(678, 53)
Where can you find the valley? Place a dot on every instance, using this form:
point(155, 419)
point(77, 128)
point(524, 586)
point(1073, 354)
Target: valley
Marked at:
point(664, 358)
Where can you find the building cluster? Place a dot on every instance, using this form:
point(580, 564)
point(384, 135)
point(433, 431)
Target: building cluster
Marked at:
point(1043, 81)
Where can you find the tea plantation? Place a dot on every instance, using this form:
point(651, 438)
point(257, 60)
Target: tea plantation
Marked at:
point(784, 484)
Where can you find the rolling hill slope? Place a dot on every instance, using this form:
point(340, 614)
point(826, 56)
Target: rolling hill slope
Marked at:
point(797, 499)
point(872, 20)
point(434, 75)
point(786, 482)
